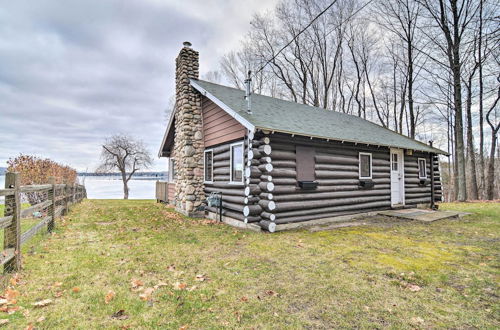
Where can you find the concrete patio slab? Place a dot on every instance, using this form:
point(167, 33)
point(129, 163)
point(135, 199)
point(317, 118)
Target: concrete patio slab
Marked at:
point(422, 215)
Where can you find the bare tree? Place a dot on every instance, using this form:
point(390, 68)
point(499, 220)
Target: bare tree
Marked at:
point(453, 18)
point(401, 18)
point(121, 152)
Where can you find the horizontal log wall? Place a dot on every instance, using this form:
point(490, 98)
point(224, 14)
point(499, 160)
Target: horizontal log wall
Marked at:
point(337, 174)
point(233, 194)
point(418, 191)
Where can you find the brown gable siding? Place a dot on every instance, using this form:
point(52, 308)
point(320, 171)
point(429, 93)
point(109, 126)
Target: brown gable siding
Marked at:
point(218, 125)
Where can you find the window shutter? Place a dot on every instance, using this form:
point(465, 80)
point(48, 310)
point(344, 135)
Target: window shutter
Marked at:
point(304, 157)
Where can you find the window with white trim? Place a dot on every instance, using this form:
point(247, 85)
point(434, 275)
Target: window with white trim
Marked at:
point(236, 163)
point(365, 165)
point(208, 166)
point(422, 168)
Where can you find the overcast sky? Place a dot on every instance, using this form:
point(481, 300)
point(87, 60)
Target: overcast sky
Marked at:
point(74, 72)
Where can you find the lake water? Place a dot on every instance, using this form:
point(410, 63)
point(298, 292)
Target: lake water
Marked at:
point(112, 187)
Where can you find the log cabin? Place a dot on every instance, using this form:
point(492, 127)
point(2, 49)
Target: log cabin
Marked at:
point(279, 162)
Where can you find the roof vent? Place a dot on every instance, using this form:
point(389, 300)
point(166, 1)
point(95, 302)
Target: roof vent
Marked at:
point(186, 44)
point(248, 92)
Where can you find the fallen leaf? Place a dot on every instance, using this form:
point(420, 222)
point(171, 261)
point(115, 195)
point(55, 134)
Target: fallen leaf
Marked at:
point(244, 299)
point(201, 277)
point(40, 319)
point(109, 296)
point(184, 327)
point(136, 283)
point(14, 280)
point(42, 303)
point(76, 289)
point(147, 294)
point(58, 294)
point(413, 287)
point(180, 286)
point(272, 293)
point(29, 327)
point(11, 294)
point(57, 284)
point(194, 287)
point(3, 322)
point(120, 315)
point(160, 284)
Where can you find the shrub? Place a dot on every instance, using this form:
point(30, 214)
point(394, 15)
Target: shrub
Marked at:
point(36, 170)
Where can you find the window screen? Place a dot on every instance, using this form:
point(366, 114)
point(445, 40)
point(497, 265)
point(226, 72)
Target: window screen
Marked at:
point(365, 166)
point(237, 162)
point(304, 157)
point(209, 165)
point(422, 169)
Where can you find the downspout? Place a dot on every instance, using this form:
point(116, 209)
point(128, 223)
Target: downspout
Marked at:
point(433, 206)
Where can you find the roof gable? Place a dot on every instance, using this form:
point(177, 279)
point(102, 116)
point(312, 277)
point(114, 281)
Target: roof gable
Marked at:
point(289, 117)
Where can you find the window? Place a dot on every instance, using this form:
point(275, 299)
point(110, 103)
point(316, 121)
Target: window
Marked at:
point(236, 163)
point(171, 170)
point(209, 166)
point(422, 168)
point(304, 158)
point(394, 162)
point(365, 165)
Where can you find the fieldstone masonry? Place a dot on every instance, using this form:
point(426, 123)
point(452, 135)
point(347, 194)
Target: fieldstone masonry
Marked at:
point(188, 141)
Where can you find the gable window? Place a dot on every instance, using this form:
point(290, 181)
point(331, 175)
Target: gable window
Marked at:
point(236, 163)
point(365, 165)
point(209, 166)
point(422, 168)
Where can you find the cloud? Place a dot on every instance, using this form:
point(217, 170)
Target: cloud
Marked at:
point(74, 72)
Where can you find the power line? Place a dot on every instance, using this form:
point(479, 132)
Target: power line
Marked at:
point(296, 36)
point(308, 25)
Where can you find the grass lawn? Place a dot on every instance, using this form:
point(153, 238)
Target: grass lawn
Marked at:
point(160, 269)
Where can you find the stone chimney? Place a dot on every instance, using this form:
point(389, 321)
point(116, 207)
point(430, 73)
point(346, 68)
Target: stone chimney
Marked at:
point(188, 142)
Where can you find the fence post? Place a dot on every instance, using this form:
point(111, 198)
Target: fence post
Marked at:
point(12, 233)
point(65, 198)
point(52, 207)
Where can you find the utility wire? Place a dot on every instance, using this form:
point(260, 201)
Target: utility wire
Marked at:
point(296, 36)
point(308, 25)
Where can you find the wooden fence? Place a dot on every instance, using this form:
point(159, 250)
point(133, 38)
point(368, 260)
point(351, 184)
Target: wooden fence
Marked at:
point(58, 198)
point(162, 191)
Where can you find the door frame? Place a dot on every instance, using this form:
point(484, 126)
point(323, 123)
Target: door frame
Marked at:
point(401, 168)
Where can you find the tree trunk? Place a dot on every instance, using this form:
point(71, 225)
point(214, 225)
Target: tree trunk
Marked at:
point(125, 185)
point(410, 90)
point(491, 168)
point(481, 91)
point(456, 67)
point(125, 190)
point(470, 143)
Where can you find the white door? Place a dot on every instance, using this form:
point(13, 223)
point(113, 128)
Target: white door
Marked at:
point(397, 177)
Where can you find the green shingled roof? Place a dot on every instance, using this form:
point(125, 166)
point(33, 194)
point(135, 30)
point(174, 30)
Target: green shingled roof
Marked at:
point(294, 118)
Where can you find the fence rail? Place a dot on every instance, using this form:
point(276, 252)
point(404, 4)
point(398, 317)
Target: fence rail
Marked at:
point(59, 197)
